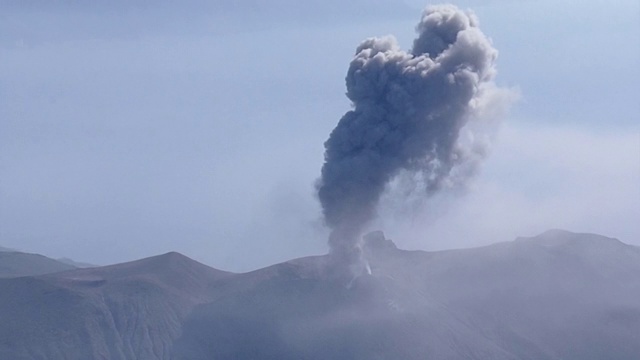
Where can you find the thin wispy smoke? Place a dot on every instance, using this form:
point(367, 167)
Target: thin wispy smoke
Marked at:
point(410, 110)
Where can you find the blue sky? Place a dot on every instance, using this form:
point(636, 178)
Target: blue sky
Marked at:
point(128, 131)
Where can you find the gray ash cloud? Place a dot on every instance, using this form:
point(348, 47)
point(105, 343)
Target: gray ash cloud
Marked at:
point(410, 110)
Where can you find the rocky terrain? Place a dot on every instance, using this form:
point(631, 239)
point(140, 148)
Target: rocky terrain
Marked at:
point(559, 295)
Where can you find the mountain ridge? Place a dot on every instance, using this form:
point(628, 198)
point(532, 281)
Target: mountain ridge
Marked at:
point(540, 297)
point(16, 264)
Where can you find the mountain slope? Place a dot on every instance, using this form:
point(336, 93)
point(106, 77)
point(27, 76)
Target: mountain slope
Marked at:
point(125, 311)
point(15, 264)
point(558, 295)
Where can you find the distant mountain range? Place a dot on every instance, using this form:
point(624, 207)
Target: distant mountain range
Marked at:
point(559, 295)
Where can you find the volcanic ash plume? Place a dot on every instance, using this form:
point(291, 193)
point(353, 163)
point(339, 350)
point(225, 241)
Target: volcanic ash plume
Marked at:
point(409, 110)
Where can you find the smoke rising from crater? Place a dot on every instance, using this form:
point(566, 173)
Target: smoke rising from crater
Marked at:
point(409, 113)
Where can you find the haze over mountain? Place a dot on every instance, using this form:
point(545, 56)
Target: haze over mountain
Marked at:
point(74, 263)
point(559, 295)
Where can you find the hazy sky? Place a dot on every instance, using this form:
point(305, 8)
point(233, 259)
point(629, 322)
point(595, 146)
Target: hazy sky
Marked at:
point(132, 130)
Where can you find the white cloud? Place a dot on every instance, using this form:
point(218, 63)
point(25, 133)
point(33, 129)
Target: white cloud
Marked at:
point(538, 177)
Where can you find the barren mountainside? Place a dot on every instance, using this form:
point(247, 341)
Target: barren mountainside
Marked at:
point(126, 311)
point(16, 263)
point(559, 295)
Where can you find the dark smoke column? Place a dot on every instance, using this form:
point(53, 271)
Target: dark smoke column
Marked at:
point(408, 112)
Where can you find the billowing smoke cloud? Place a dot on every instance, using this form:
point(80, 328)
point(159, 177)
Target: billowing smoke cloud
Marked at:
point(409, 109)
